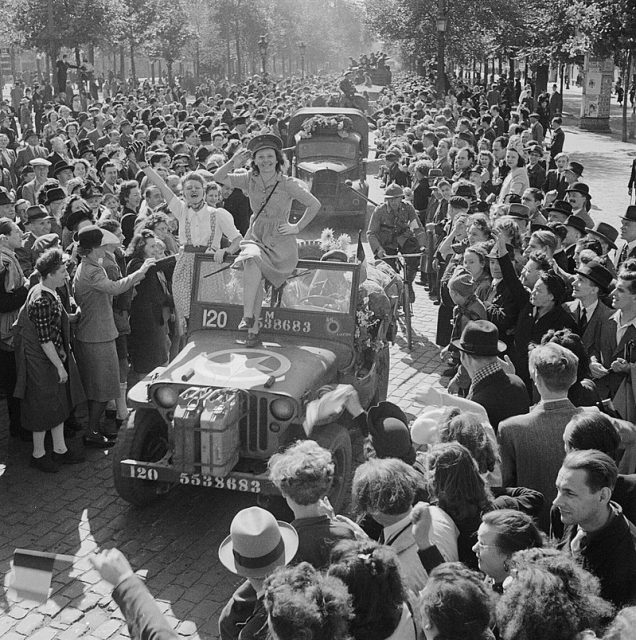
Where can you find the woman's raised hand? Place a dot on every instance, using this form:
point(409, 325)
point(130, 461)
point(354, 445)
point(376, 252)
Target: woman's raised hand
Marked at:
point(240, 158)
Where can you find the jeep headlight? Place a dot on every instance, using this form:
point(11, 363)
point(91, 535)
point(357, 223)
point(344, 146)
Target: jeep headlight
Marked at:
point(166, 396)
point(282, 408)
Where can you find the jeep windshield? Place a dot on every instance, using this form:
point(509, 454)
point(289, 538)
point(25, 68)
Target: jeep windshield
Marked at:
point(317, 287)
point(343, 148)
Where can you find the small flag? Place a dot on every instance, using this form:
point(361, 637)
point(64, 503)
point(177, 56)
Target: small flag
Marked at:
point(360, 254)
point(32, 572)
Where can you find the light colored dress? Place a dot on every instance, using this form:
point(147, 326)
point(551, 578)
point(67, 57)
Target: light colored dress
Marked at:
point(276, 254)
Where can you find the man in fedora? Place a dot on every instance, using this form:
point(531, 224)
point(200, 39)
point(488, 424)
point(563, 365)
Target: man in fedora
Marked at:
point(501, 394)
point(395, 227)
point(520, 213)
point(256, 546)
point(607, 235)
point(592, 281)
point(578, 195)
point(628, 234)
point(575, 231)
point(558, 211)
point(532, 445)
point(573, 172)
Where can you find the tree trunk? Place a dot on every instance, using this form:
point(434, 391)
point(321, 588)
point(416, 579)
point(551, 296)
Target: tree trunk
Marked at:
point(628, 71)
point(122, 63)
point(169, 64)
point(228, 53)
point(91, 54)
point(133, 68)
point(541, 79)
point(152, 71)
point(237, 38)
point(511, 64)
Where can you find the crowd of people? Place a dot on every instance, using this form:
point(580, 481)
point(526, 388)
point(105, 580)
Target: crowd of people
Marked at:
point(485, 517)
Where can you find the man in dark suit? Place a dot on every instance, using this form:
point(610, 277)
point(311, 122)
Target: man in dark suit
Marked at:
point(558, 140)
point(614, 349)
point(556, 102)
point(31, 151)
point(592, 280)
point(532, 445)
point(632, 178)
point(597, 534)
point(555, 178)
point(628, 233)
point(502, 394)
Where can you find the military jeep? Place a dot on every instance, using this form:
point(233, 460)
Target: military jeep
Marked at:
point(329, 148)
point(215, 415)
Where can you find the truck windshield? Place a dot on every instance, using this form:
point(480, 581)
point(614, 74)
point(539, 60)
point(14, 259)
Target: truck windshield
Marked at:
point(321, 148)
point(309, 288)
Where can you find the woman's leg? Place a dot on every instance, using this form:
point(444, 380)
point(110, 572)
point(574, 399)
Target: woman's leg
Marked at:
point(251, 284)
point(95, 411)
point(57, 435)
point(38, 444)
point(258, 301)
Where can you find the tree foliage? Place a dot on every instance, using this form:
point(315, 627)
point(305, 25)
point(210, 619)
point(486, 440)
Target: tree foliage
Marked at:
point(49, 25)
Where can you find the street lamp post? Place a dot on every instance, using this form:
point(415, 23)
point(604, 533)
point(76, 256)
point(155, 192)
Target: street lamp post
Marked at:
point(303, 47)
point(262, 47)
point(441, 23)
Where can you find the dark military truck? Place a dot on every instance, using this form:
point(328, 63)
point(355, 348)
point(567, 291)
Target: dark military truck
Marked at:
point(328, 149)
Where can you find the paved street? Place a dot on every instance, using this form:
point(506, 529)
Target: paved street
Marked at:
point(174, 543)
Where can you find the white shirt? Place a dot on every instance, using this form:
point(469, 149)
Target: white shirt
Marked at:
point(621, 329)
point(200, 224)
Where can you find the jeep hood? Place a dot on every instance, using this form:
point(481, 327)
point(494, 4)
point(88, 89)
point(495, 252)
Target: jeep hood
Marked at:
point(314, 166)
point(216, 360)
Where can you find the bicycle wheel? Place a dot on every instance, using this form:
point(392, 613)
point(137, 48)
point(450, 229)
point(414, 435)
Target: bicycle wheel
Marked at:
point(406, 307)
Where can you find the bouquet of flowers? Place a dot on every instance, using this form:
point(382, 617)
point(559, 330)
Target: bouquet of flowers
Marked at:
point(340, 125)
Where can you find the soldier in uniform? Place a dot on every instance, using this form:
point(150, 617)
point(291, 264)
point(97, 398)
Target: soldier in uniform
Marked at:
point(395, 227)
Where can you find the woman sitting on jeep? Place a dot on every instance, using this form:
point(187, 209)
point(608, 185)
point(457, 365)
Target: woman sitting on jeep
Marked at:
point(269, 251)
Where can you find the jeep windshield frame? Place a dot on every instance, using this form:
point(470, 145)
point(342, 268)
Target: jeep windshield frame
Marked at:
point(318, 302)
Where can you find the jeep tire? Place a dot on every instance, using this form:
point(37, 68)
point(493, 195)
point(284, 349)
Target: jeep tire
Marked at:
point(146, 441)
point(336, 439)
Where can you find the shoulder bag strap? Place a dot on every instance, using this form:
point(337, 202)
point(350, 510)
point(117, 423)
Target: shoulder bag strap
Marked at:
point(271, 193)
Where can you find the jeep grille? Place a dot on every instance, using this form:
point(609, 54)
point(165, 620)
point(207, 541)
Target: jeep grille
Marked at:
point(253, 424)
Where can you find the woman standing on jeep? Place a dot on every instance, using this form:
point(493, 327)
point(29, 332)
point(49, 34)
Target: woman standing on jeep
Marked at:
point(269, 251)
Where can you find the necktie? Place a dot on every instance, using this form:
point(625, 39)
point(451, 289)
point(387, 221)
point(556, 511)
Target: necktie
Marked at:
point(623, 255)
point(583, 319)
